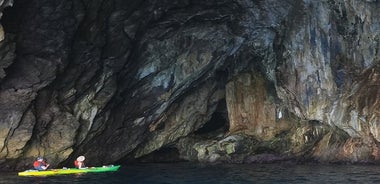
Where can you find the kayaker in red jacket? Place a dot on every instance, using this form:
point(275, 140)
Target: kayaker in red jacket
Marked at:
point(79, 162)
point(40, 164)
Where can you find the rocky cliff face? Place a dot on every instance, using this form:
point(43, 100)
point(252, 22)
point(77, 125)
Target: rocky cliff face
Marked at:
point(211, 81)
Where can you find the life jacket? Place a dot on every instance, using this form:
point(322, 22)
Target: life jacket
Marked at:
point(76, 164)
point(38, 165)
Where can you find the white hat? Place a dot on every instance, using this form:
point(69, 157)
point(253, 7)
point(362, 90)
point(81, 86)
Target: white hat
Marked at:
point(80, 158)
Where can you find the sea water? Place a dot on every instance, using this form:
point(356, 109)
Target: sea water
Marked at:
point(177, 173)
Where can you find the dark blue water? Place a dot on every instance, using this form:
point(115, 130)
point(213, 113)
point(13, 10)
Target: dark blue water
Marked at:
point(211, 174)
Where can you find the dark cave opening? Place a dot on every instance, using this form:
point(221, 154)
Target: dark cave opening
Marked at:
point(13, 16)
point(218, 124)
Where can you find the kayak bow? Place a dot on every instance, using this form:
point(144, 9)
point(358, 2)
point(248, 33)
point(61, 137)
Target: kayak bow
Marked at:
point(69, 171)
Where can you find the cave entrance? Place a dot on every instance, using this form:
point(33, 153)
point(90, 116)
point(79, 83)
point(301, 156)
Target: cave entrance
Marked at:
point(218, 124)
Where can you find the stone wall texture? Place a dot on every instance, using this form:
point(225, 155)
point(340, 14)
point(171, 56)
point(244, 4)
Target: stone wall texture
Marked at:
point(238, 81)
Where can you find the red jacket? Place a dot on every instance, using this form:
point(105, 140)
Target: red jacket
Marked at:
point(38, 165)
point(77, 163)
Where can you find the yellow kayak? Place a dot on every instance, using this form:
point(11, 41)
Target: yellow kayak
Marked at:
point(69, 171)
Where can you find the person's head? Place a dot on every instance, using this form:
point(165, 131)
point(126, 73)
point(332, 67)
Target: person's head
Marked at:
point(81, 158)
point(40, 159)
